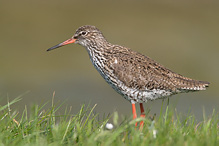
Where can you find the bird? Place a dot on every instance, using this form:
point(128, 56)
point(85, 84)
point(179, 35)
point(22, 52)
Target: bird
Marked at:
point(135, 76)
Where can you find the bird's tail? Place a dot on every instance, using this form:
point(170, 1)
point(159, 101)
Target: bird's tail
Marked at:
point(188, 84)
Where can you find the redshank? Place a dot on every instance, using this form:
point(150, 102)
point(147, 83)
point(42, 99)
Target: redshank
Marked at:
point(136, 77)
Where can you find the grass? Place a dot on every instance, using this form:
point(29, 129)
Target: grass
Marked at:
point(44, 127)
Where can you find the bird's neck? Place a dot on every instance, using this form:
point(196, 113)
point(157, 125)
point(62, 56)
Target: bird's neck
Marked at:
point(97, 51)
point(98, 46)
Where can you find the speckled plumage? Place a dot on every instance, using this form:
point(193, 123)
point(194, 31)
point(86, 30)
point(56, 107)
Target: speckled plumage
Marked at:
point(136, 77)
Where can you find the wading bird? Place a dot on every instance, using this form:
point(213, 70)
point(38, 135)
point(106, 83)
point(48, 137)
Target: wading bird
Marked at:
point(136, 77)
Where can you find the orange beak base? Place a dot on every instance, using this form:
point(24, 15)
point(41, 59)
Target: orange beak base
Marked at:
point(69, 41)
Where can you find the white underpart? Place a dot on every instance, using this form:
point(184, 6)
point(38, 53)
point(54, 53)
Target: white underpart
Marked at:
point(137, 96)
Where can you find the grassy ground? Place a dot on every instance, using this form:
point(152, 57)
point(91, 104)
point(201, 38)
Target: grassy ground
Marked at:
point(41, 127)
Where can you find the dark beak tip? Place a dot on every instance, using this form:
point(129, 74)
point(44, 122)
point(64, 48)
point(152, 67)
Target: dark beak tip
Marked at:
point(49, 49)
point(54, 47)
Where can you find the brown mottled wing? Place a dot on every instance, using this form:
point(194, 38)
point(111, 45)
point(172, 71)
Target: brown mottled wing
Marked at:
point(140, 72)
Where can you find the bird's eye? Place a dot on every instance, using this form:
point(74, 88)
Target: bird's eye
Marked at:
point(83, 32)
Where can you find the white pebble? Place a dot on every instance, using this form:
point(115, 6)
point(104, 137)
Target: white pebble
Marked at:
point(109, 126)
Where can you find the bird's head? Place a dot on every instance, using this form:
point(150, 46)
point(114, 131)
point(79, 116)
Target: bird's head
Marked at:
point(84, 35)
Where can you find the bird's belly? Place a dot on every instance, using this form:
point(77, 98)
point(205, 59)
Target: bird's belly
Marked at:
point(138, 96)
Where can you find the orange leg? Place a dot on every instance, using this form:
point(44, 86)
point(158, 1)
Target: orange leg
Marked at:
point(134, 113)
point(142, 114)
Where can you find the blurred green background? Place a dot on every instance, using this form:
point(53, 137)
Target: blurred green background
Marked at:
point(181, 35)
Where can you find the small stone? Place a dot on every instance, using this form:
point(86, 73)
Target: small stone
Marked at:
point(109, 126)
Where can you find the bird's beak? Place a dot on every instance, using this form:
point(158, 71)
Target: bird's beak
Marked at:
point(69, 41)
